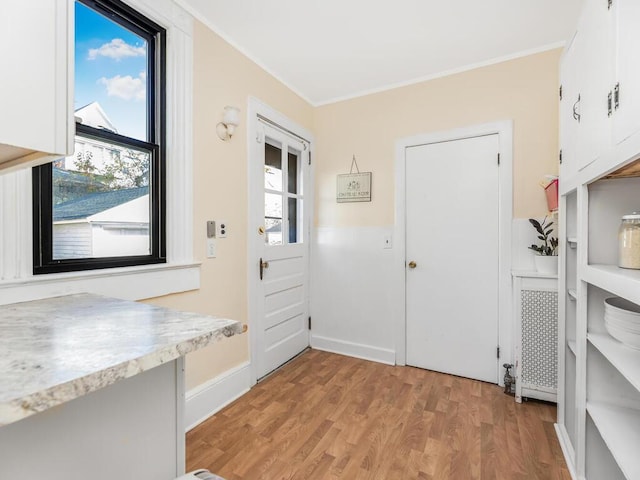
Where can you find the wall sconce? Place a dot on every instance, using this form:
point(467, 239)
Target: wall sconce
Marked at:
point(230, 120)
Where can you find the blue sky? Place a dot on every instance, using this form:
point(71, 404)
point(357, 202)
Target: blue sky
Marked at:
point(110, 68)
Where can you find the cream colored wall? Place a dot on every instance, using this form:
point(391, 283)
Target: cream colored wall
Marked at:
point(223, 76)
point(524, 90)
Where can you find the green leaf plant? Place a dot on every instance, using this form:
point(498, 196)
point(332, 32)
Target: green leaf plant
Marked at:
point(544, 229)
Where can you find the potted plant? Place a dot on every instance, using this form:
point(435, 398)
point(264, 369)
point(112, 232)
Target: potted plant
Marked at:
point(546, 259)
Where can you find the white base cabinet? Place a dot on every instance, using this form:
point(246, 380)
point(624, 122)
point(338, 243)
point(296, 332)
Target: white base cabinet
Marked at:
point(133, 429)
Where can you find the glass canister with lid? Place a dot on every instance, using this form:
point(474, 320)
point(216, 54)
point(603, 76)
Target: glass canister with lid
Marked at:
point(629, 241)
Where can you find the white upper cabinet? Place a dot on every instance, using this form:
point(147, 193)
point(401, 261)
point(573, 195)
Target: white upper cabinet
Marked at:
point(585, 132)
point(593, 55)
point(600, 78)
point(627, 25)
point(568, 118)
point(36, 86)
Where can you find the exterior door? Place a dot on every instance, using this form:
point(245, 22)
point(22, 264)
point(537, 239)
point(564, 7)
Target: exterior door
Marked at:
point(452, 234)
point(282, 257)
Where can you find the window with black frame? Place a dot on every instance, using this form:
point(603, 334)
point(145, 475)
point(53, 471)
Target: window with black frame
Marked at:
point(104, 206)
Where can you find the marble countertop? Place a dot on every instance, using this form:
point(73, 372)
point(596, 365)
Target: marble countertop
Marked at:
point(58, 349)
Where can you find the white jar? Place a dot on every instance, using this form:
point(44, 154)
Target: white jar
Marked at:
point(629, 241)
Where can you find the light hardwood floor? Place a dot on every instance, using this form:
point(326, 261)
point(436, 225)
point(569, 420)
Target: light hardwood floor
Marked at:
point(327, 416)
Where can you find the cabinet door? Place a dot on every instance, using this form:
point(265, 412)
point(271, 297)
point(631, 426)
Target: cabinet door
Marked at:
point(568, 124)
point(627, 21)
point(594, 78)
point(36, 50)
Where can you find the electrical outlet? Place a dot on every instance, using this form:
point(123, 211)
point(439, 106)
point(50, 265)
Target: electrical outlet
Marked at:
point(221, 229)
point(211, 248)
point(387, 241)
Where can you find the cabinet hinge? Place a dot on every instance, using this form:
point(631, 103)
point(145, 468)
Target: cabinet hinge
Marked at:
point(498, 351)
point(498, 159)
point(609, 103)
point(560, 156)
point(309, 158)
point(309, 323)
point(616, 96)
point(560, 92)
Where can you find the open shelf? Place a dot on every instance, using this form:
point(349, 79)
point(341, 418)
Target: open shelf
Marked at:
point(620, 430)
point(619, 281)
point(626, 360)
point(628, 171)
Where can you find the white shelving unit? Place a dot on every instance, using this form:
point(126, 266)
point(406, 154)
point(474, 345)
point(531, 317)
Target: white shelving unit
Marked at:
point(599, 378)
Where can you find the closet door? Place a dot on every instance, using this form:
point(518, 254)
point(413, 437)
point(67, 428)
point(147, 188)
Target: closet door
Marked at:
point(452, 239)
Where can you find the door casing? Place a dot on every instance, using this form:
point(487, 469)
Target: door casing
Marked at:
point(504, 130)
point(256, 109)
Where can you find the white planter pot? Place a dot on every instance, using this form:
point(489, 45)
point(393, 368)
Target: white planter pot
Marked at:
point(547, 264)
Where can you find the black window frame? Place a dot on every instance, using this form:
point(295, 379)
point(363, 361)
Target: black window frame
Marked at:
point(155, 35)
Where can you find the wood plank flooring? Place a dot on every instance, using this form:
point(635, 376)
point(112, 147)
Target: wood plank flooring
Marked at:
point(327, 416)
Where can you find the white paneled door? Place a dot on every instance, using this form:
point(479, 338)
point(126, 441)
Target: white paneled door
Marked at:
point(281, 259)
point(452, 256)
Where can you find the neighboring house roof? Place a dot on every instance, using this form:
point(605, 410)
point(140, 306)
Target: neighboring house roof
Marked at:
point(133, 211)
point(94, 203)
point(93, 115)
point(69, 177)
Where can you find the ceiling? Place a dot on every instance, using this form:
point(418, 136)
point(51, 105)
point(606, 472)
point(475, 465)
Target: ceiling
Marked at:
point(330, 50)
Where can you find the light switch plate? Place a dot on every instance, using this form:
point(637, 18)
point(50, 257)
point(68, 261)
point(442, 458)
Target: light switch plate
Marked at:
point(211, 248)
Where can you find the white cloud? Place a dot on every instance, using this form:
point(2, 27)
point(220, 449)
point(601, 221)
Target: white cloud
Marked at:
point(117, 49)
point(126, 87)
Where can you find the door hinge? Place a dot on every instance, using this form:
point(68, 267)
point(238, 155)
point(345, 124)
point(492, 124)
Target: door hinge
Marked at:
point(616, 96)
point(498, 351)
point(609, 103)
point(560, 156)
point(309, 323)
point(609, 3)
point(560, 92)
point(309, 158)
point(498, 159)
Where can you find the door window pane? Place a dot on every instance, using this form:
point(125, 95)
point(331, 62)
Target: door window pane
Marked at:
point(294, 214)
point(293, 172)
point(272, 167)
point(273, 219)
point(101, 201)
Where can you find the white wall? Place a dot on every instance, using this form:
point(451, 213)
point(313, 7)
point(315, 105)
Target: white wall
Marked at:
point(351, 292)
point(352, 288)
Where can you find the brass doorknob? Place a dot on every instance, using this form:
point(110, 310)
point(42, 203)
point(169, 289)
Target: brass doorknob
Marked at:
point(412, 264)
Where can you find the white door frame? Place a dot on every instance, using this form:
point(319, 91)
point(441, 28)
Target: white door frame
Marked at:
point(504, 130)
point(255, 110)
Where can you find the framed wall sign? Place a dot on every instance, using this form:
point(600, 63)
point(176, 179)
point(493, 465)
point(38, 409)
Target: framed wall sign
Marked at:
point(354, 187)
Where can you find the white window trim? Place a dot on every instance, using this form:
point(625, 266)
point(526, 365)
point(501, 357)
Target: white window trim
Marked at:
point(181, 273)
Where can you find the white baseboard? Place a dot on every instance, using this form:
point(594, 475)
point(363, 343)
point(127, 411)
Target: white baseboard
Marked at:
point(357, 350)
point(205, 400)
point(567, 449)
